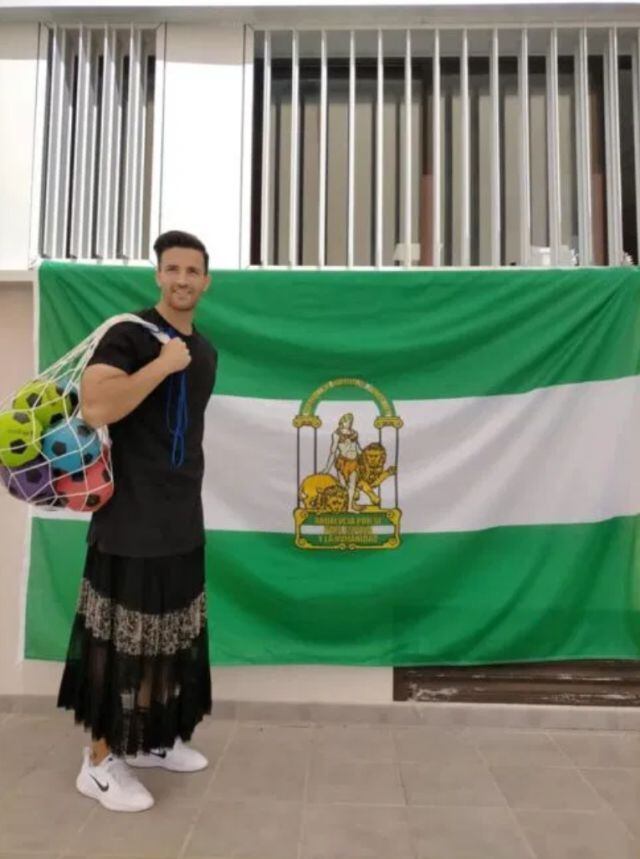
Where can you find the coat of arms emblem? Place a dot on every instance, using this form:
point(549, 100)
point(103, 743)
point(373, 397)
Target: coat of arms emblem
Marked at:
point(350, 500)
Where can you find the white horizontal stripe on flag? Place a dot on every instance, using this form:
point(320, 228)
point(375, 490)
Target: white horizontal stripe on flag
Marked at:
point(564, 454)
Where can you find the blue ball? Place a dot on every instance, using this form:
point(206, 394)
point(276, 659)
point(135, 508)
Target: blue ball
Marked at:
point(71, 446)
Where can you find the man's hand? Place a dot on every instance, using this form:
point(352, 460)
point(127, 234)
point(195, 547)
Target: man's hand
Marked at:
point(175, 356)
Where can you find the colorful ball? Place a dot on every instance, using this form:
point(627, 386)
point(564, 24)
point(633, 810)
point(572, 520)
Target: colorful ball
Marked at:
point(49, 400)
point(71, 446)
point(33, 482)
point(88, 490)
point(19, 438)
point(67, 388)
point(66, 403)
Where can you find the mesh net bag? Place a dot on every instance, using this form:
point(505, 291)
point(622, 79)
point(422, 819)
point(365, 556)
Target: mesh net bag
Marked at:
point(49, 456)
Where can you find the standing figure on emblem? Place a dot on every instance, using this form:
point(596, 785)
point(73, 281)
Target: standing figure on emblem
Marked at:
point(344, 454)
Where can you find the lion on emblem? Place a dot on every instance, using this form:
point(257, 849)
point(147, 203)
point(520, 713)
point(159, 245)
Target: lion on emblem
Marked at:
point(312, 488)
point(325, 494)
point(372, 472)
point(334, 499)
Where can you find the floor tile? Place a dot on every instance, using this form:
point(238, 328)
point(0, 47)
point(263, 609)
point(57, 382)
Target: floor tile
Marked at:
point(598, 749)
point(260, 775)
point(355, 832)
point(246, 830)
point(252, 739)
point(466, 833)
point(620, 788)
point(517, 748)
point(355, 742)
point(358, 782)
point(181, 787)
point(212, 737)
point(450, 784)
point(546, 788)
point(425, 744)
point(43, 823)
point(29, 855)
point(577, 835)
point(159, 832)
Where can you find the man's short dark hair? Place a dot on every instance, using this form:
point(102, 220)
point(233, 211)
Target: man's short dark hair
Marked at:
point(180, 239)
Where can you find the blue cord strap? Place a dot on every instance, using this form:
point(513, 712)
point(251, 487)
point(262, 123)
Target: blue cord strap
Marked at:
point(177, 412)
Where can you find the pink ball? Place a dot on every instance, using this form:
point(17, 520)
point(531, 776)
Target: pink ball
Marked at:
point(89, 490)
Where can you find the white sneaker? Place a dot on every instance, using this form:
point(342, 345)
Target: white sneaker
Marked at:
point(113, 784)
point(179, 759)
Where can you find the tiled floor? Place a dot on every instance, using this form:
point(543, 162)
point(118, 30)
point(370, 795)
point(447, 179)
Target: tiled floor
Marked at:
point(314, 791)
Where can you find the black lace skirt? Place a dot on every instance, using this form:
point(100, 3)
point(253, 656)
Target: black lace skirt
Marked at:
point(137, 670)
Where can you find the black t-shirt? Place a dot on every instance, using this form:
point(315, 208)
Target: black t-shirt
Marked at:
point(156, 508)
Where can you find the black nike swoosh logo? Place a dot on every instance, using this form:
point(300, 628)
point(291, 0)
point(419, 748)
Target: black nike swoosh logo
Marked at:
point(161, 754)
point(103, 787)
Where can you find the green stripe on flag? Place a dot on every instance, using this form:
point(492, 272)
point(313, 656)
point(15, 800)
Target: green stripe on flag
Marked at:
point(414, 335)
point(500, 595)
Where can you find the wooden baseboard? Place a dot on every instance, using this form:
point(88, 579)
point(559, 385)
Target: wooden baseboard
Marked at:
point(589, 683)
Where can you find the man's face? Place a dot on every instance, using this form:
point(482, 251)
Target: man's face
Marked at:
point(182, 278)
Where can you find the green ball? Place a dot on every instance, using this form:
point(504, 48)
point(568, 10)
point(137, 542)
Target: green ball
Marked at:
point(19, 438)
point(47, 401)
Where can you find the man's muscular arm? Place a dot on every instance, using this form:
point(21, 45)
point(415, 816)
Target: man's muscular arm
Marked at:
point(108, 394)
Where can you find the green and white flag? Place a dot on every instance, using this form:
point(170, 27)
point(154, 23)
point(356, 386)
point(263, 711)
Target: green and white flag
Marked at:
point(402, 468)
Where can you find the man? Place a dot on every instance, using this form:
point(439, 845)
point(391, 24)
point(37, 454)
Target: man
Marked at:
point(137, 671)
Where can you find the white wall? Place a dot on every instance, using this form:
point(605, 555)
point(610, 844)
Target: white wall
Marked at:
point(17, 362)
point(201, 153)
point(18, 68)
